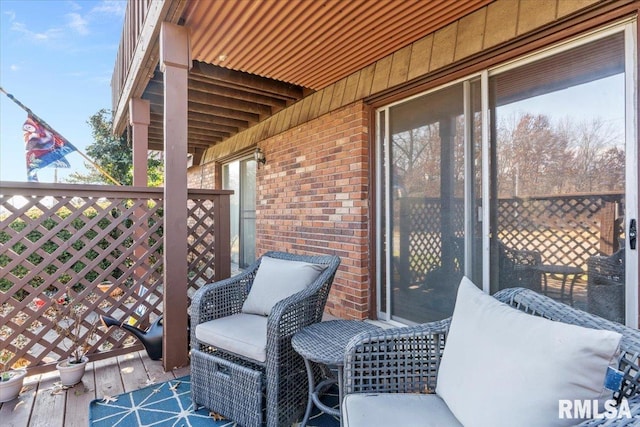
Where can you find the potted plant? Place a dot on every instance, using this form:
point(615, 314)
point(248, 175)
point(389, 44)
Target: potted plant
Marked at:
point(77, 339)
point(11, 380)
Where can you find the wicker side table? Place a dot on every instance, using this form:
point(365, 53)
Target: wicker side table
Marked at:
point(325, 343)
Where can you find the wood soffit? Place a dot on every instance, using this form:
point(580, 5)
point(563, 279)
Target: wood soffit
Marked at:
point(252, 58)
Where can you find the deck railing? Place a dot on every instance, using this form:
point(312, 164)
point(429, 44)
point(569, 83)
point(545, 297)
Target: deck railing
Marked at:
point(101, 247)
point(565, 229)
point(134, 18)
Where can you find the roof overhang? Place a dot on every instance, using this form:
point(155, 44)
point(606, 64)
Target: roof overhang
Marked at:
point(254, 57)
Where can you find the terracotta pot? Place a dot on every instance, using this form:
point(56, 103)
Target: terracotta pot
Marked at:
point(10, 389)
point(71, 373)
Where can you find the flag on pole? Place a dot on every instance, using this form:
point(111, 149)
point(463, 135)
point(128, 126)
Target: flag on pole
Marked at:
point(44, 148)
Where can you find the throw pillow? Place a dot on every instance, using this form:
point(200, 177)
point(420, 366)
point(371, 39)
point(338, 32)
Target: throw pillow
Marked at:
point(502, 367)
point(277, 279)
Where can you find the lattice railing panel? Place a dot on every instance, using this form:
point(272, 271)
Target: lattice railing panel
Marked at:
point(565, 230)
point(201, 240)
point(101, 246)
point(98, 251)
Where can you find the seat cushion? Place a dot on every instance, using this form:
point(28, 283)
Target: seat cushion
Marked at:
point(503, 367)
point(243, 334)
point(275, 280)
point(392, 409)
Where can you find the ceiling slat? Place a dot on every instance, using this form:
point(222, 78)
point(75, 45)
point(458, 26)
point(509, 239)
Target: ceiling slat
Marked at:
point(313, 43)
point(252, 58)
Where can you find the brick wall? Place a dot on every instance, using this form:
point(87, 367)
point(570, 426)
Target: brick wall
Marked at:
point(312, 198)
point(202, 176)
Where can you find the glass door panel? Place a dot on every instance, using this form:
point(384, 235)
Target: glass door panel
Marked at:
point(231, 181)
point(425, 242)
point(240, 176)
point(248, 212)
point(557, 195)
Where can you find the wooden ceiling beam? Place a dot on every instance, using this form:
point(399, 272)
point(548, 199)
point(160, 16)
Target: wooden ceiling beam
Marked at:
point(239, 94)
point(218, 120)
point(203, 142)
point(230, 103)
point(156, 90)
point(209, 137)
point(224, 112)
point(193, 144)
point(246, 81)
point(205, 138)
point(209, 122)
point(222, 132)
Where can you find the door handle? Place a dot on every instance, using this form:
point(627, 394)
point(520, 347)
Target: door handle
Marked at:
point(633, 234)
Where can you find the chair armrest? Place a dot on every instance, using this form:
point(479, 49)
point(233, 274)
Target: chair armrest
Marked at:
point(399, 360)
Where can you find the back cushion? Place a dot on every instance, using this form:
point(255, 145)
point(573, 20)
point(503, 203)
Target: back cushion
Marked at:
point(277, 279)
point(502, 367)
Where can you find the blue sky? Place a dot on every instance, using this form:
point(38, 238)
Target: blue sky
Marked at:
point(56, 57)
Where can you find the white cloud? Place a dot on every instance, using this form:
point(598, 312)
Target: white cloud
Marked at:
point(50, 34)
point(11, 14)
point(78, 23)
point(111, 7)
point(15, 67)
point(74, 6)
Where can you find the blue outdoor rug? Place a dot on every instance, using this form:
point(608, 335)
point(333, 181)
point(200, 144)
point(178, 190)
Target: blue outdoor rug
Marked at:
point(169, 404)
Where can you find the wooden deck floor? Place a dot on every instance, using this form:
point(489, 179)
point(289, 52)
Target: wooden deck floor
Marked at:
point(44, 404)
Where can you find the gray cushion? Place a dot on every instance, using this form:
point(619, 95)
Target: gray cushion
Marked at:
point(391, 409)
point(502, 367)
point(277, 279)
point(243, 334)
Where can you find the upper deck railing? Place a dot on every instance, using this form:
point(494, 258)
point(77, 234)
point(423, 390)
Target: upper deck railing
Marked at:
point(134, 19)
point(102, 246)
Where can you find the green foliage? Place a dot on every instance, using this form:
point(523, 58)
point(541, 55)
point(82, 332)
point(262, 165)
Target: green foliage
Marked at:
point(114, 155)
point(67, 237)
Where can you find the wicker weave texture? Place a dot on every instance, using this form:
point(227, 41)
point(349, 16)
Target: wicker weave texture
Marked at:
point(235, 389)
point(405, 360)
point(605, 286)
point(283, 373)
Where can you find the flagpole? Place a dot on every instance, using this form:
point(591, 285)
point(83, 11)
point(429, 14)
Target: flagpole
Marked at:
point(66, 141)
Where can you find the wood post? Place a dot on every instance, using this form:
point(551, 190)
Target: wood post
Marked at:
point(608, 229)
point(175, 61)
point(139, 119)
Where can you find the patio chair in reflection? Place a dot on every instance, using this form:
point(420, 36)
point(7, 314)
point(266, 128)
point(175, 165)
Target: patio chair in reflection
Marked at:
point(605, 286)
point(515, 268)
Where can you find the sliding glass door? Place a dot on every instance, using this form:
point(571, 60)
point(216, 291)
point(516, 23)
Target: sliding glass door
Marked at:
point(424, 209)
point(517, 177)
point(240, 176)
point(558, 200)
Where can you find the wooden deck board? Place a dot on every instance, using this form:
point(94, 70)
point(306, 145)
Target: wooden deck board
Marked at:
point(44, 403)
point(48, 408)
point(17, 412)
point(78, 399)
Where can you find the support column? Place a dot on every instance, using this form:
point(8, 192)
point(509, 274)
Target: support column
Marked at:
point(175, 62)
point(139, 119)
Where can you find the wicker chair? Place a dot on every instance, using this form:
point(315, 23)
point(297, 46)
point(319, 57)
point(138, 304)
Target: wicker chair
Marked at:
point(406, 360)
point(242, 388)
point(605, 286)
point(515, 268)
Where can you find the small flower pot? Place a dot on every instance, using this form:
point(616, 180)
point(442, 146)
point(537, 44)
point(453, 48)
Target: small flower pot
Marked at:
point(71, 373)
point(10, 389)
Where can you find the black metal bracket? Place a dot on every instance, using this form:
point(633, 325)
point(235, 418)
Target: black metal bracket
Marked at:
point(633, 234)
